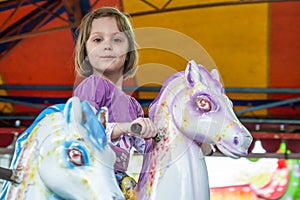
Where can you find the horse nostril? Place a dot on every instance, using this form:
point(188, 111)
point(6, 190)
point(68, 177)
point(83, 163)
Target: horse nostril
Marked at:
point(236, 140)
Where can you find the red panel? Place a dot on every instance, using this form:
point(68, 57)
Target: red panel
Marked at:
point(6, 140)
point(114, 3)
point(284, 51)
point(7, 135)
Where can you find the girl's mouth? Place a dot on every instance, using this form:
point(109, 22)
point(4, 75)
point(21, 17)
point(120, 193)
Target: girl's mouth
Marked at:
point(108, 56)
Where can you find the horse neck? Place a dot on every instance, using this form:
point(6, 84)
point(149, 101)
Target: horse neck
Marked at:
point(31, 148)
point(162, 109)
point(28, 161)
point(31, 181)
point(32, 187)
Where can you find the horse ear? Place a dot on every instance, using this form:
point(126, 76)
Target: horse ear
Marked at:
point(192, 74)
point(215, 74)
point(72, 110)
point(102, 116)
point(95, 130)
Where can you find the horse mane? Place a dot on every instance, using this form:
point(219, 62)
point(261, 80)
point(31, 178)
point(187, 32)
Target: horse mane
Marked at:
point(166, 83)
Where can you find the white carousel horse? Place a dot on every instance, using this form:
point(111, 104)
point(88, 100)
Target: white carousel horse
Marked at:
point(64, 155)
point(191, 108)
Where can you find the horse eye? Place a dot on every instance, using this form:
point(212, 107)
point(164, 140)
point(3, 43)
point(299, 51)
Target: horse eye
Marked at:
point(75, 156)
point(203, 104)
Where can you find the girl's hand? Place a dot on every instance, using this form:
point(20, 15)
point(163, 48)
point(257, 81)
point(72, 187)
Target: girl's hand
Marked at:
point(148, 128)
point(207, 149)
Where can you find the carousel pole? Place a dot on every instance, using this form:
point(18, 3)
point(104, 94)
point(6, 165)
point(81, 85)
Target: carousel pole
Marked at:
point(15, 175)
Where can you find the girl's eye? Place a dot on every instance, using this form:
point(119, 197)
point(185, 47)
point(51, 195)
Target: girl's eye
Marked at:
point(117, 40)
point(97, 40)
point(75, 156)
point(203, 104)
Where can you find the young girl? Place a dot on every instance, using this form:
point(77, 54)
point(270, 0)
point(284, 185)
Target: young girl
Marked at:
point(106, 54)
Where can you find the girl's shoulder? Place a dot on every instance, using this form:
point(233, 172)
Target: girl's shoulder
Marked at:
point(91, 86)
point(137, 106)
point(133, 100)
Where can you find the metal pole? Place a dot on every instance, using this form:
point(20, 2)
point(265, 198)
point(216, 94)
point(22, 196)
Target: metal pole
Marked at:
point(268, 105)
point(15, 175)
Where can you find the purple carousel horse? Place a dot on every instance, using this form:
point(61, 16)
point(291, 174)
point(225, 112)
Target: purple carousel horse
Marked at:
point(190, 109)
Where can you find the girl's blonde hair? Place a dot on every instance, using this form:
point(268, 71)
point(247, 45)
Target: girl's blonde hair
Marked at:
point(82, 65)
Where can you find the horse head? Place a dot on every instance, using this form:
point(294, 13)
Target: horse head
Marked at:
point(66, 156)
point(80, 159)
point(201, 110)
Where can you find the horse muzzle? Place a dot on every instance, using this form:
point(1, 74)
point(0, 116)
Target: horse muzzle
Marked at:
point(238, 145)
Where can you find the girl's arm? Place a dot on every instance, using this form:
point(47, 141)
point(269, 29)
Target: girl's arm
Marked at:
point(148, 128)
point(118, 130)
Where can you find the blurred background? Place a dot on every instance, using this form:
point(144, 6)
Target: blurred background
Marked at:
point(254, 44)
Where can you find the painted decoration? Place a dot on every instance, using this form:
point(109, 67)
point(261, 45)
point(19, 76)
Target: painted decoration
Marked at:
point(261, 179)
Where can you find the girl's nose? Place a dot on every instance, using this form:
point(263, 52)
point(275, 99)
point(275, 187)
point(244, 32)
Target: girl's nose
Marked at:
point(107, 45)
point(107, 48)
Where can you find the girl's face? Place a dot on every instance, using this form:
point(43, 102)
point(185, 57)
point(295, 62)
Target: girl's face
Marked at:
point(107, 47)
